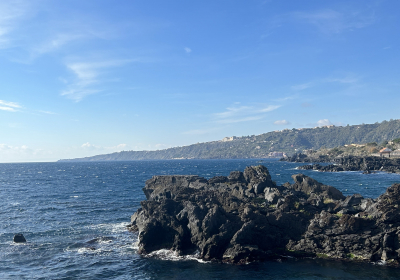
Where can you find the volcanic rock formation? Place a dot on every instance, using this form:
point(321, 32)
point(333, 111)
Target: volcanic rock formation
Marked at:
point(246, 217)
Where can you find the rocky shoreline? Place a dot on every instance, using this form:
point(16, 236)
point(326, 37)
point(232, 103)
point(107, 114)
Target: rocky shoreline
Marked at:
point(246, 217)
point(368, 164)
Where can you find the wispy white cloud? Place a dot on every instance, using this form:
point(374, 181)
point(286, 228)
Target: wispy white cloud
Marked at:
point(23, 150)
point(327, 21)
point(97, 148)
point(23, 153)
point(3, 108)
point(239, 113)
point(347, 79)
point(188, 50)
point(87, 76)
point(302, 86)
point(87, 145)
point(343, 80)
point(269, 108)
point(287, 98)
point(4, 147)
point(55, 42)
point(334, 22)
point(30, 35)
point(323, 122)
point(281, 122)
point(11, 14)
point(232, 111)
point(9, 106)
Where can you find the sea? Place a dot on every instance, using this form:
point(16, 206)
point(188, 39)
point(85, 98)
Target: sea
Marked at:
point(74, 217)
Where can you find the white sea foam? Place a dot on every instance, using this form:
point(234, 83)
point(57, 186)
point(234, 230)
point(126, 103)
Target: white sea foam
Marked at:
point(92, 250)
point(171, 255)
point(104, 241)
point(135, 245)
point(114, 228)
point(381, 262)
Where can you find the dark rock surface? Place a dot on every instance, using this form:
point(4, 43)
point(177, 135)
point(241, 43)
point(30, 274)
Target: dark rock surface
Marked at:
point(246, 217)
point(299, 157)
point(354, 163)
point(323, 168)
point(19, 238)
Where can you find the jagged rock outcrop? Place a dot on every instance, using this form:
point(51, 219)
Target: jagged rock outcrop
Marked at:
point(323, 168)
point(246, 217)
point(354, 163)
point(363, 229)
point(300, 157)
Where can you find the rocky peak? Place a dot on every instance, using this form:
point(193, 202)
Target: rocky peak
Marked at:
point(308, 185)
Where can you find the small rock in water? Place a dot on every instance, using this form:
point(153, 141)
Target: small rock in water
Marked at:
point(19, 238)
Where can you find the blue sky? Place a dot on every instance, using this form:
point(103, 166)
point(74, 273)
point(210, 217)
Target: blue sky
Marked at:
point(80, 78)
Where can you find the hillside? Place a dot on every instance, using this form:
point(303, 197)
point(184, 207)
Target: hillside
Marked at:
point(259, 146)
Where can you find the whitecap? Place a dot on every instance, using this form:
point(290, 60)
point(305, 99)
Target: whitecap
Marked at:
point(172, 255)
point(86, 250)
point(115, 228)
point(101, 240)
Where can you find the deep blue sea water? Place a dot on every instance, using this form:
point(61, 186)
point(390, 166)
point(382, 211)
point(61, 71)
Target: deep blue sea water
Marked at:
point(73, 216)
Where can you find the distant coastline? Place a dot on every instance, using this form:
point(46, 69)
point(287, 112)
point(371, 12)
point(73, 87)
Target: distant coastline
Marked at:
point(287, 141)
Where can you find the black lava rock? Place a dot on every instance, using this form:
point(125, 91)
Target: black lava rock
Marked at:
point(246, 217)
point(19, 238)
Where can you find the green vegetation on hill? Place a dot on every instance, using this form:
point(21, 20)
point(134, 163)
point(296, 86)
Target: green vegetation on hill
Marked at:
point(259, 146)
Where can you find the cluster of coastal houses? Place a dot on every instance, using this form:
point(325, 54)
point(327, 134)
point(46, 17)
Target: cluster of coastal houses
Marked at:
point(386, 152)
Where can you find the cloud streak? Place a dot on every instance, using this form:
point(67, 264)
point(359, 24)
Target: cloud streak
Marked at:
point(87, 76)
point(11, 14)
point(55, 42)
point(117, 148)
point(236, 114)
point(349, 80)
point(281, 122)
point(9, 106)
point(329, 21)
